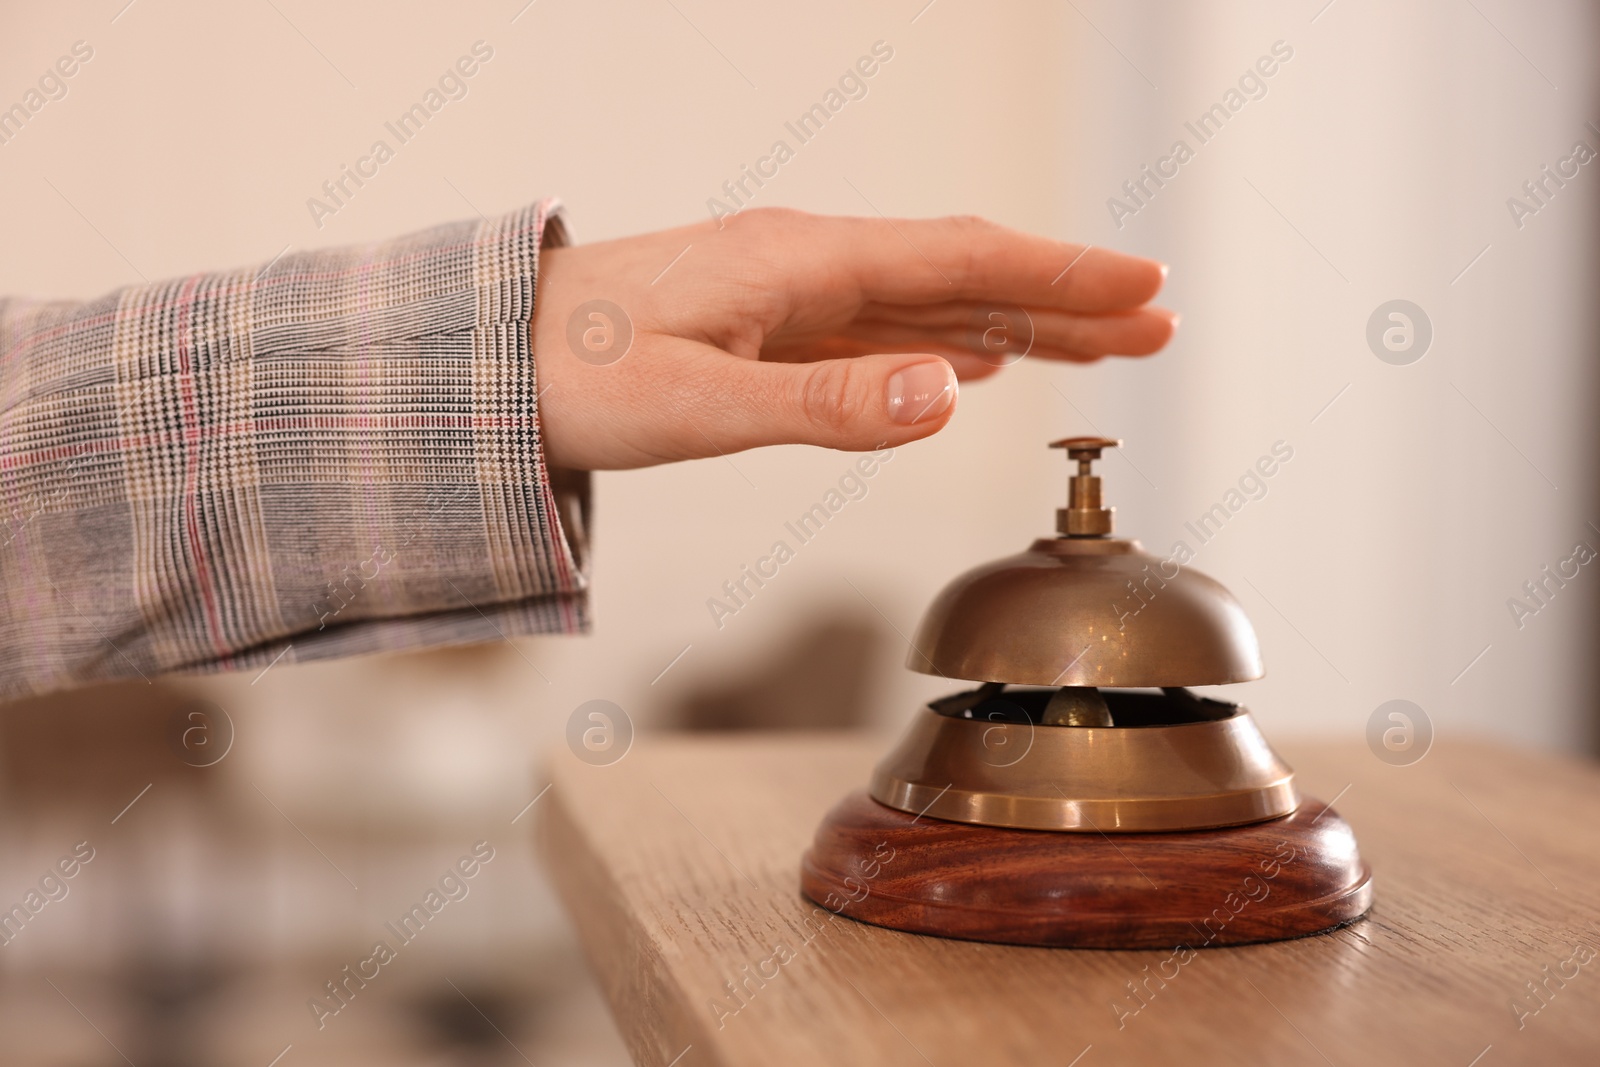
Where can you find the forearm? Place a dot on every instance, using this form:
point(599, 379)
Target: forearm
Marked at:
point(338, 453)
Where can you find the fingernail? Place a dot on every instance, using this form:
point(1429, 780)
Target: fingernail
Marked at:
point(921, 391)
point(1165, 270)
point(1177, 317)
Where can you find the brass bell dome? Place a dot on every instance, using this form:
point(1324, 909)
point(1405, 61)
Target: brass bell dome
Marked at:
point(1087, 609)
point(1098, 641)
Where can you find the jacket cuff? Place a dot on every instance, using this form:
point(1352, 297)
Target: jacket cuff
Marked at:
point(338, 453)
point(451, 527)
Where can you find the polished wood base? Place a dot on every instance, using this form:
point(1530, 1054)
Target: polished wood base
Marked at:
point(1268, 881)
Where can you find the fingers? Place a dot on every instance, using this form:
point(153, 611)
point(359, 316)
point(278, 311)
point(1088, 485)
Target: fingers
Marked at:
point(959, 353)
point(956, 334)
point(920, 261)
point(1140, 332)
point(869, 402)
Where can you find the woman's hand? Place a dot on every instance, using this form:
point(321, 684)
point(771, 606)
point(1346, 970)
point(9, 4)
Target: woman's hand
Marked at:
point(782, 327)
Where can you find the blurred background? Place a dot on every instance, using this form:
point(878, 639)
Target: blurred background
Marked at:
point(1433, 473)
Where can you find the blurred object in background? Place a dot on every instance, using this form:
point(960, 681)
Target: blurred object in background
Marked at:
point(821, 678)
point(215, 891)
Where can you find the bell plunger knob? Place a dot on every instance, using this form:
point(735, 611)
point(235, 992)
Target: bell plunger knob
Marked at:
point(1084, 516)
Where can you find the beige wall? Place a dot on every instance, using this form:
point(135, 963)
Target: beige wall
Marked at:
point(1377, 167)
point(1379, 564)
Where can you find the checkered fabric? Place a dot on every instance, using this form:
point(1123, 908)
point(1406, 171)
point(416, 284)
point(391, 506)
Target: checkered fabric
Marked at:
point(337, 453)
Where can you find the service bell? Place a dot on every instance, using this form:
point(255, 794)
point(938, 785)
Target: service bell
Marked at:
point(1081, 795)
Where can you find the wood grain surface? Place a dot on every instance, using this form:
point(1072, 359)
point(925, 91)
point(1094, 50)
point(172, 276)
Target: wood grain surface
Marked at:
point(680, 865)
point(1287, 877)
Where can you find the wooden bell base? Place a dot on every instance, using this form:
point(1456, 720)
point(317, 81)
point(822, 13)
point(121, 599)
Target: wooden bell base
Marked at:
point(1288, 877)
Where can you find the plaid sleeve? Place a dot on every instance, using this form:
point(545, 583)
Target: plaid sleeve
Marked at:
point(337, 453)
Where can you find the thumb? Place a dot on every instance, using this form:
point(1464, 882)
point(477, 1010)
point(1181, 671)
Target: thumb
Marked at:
point(855, 404)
